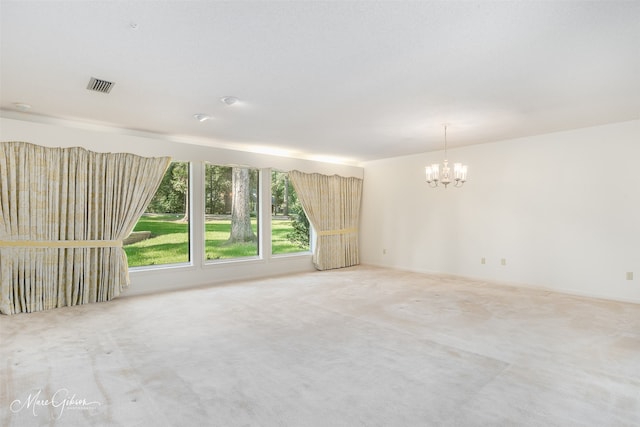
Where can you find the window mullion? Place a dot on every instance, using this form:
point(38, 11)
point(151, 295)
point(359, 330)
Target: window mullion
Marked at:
point(264, 227)
point(196, 215)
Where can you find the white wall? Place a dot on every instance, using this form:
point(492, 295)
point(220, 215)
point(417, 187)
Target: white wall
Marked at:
point(563, 209)
point(57, 133)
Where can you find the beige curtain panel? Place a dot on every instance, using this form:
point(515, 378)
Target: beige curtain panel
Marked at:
point(332, 204)
point(63, 215)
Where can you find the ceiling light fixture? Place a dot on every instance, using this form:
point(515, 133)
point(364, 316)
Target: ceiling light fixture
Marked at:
point(20, 106)
point(229, 100)
point(434, 177)
point(202, 117)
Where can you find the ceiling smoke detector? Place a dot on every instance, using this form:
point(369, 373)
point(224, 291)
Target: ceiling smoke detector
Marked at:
point(98, 85)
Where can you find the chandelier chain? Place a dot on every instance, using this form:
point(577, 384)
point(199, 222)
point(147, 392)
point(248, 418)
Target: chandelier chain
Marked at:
point(445, 142)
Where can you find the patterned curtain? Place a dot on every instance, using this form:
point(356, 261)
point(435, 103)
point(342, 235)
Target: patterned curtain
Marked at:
point(63, 215)
point(332, 204)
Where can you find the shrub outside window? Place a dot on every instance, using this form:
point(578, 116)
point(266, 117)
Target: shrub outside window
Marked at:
point(289, 224)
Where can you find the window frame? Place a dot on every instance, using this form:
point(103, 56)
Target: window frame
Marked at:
point(190, 231)
point(259, 244)
point(197, 242)
point(311, 232)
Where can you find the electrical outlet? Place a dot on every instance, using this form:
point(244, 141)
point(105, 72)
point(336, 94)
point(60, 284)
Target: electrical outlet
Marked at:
point(629, 275)
point(483, 260)
point(503, 261)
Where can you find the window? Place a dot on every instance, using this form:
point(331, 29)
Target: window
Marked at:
point(161, 235)
point(231, 212)
point(289, 224)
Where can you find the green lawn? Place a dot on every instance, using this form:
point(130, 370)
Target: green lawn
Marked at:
point(279, 242)
point(169, 242)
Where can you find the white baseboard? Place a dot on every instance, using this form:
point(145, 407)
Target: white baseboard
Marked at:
point(566, 291)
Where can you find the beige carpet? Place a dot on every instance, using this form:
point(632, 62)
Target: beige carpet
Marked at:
point(354, 347)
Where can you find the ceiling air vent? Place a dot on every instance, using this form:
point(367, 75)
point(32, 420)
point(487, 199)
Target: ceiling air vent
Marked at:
point(98, 85)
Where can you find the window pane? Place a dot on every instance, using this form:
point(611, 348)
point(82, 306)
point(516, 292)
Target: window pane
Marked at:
point(161, 235)
point(231, 212)
point(289, 224)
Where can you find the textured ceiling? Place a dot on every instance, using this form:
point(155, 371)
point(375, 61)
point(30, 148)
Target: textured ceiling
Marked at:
point(352, 81)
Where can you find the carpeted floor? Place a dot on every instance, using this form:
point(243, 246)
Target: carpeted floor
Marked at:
point(361, 346)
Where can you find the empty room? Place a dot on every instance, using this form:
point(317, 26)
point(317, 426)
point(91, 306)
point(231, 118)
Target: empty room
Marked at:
point(319, 213)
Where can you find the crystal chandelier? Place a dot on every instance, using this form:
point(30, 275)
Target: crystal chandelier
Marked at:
point(437, 175)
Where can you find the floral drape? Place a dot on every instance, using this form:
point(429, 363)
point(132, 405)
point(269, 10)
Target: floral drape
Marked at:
point(332, 204)
point(63, 215)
